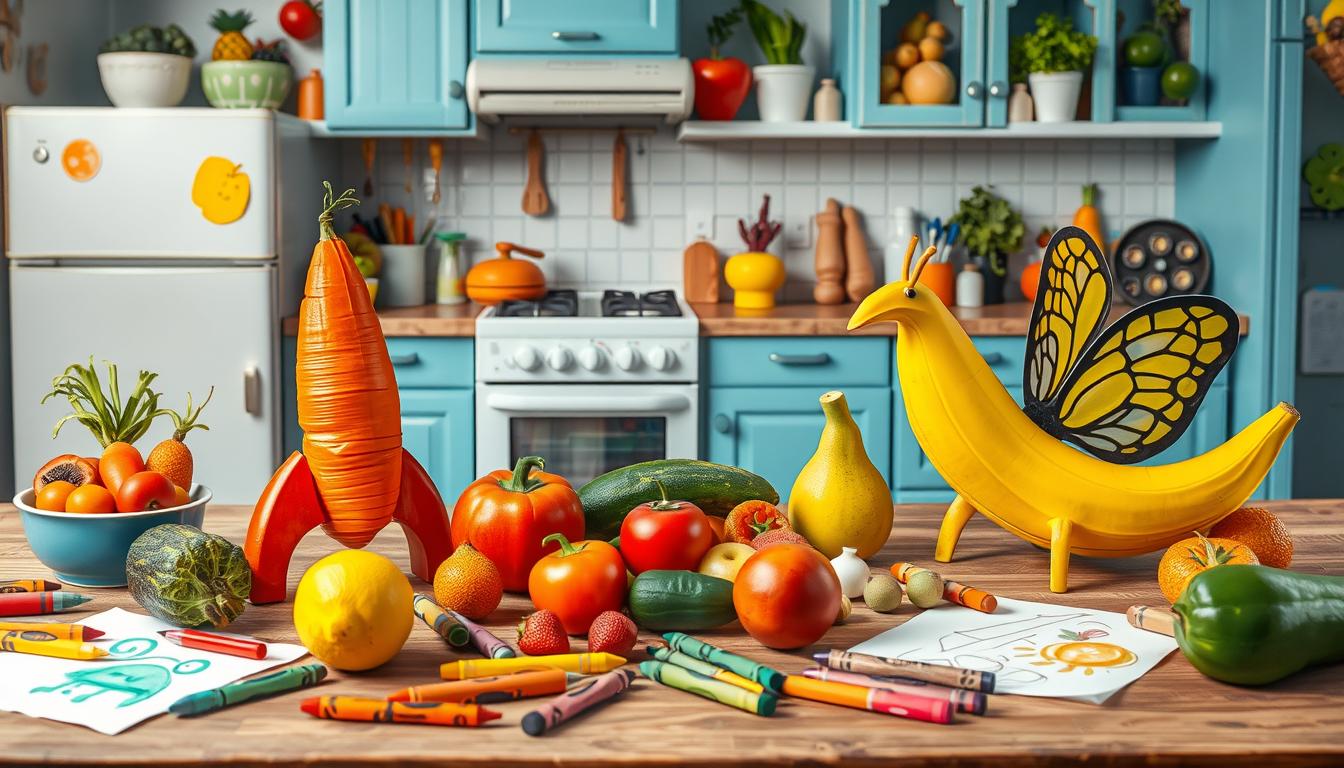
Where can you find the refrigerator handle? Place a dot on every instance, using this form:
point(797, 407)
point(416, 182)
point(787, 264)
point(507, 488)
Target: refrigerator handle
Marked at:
point(252, 390)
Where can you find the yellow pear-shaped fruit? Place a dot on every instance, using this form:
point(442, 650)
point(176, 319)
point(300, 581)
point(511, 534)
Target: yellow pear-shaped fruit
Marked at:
point(840, 499)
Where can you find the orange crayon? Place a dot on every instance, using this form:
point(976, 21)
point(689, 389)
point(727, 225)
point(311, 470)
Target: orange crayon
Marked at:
point(488, 690)
point(29, 585)
point(959, 594)
point(77, 632)
point(381, 711)
point(873, 699)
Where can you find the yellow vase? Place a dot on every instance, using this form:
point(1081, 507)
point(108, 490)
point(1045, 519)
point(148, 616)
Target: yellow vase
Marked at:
point(839, 498)
point(754, 277)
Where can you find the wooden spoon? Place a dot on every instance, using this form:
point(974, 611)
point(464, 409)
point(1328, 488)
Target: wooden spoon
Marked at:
point(436, 162)
point(619, 154)
point(535, 201)
point(369, 149)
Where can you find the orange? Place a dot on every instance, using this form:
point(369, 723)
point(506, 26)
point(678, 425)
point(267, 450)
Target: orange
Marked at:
point(1261, 531)
point(469, 583)
point(91, 500)
point(1188, 558)
point(81, 160)
point(53, 495)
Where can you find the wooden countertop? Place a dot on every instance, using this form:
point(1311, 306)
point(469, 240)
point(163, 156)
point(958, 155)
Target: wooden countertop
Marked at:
point(1171, 716)
point(427, 320)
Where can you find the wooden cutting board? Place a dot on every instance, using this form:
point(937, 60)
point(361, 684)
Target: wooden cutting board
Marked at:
point(700, 272)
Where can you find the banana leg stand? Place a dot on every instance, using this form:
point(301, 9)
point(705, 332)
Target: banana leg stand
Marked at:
point(954, 521)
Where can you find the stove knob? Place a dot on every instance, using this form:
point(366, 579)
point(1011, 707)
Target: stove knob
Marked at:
point(559, 358)
point(591, 358)
point(627, 358)
point(526, 358)
point(662, 358)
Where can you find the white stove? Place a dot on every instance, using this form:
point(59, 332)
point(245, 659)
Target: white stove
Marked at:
point(587, 381)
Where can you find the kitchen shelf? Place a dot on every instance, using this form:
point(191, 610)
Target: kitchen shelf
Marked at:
point(1320, 214)
point(321, 131)
point(747, 130)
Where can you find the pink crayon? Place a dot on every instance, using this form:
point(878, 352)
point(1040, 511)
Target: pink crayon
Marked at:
point(577, 700)
point(486, 644)
point(970, 702)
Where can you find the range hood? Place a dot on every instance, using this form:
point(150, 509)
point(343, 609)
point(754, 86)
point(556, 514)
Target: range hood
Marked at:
point(498, 88)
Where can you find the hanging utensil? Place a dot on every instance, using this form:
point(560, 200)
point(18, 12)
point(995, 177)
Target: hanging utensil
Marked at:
point(408, 159)
point(369, 149)
point(535, 201)
point(619, 156)
point(436, 162)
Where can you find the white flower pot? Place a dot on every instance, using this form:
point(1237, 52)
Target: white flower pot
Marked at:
point(143, 79)
point(1056, 95)
point(783, 91)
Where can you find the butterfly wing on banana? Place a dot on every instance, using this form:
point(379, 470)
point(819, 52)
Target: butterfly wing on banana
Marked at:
point(1137, 387)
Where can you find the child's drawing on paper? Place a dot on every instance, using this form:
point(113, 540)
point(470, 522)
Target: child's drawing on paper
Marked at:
point(1032, 648)
point(136, 682)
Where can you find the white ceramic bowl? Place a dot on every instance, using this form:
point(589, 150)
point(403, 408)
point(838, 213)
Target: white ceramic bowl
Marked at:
point(140, 79)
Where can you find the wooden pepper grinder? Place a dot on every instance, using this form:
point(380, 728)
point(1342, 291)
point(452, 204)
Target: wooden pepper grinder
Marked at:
point(830, 256)
point(859, 280)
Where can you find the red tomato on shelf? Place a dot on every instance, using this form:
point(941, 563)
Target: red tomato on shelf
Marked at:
point(665, 536)
point(146, 490)
point(300, 19)
point(721, 85)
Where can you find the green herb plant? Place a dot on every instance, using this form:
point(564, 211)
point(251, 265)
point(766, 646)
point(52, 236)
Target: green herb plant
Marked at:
point(990, 228)
point(780, 37)
point(147, 38)
point(1054, 46)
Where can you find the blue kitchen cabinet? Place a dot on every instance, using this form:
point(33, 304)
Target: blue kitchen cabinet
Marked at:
point(1007, 19)
point(394, 64)
point(592, 26)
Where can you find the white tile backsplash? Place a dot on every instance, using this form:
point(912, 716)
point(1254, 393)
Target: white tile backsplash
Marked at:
point(669, 183)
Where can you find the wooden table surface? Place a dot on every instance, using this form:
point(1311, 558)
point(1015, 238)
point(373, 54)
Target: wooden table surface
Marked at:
point(1171, 716)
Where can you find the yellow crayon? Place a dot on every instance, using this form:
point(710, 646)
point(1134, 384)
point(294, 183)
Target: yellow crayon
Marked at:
point(582, 663)
point(41, 643)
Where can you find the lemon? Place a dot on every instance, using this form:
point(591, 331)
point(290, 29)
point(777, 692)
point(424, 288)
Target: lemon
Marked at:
point(353, 610)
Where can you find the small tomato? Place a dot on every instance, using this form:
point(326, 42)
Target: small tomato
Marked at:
point(53, 495)
point(146, 490)
point(91, 500)
point(665, 536)
point(183, 498)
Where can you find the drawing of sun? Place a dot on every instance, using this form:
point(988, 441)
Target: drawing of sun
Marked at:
point(1087, 655)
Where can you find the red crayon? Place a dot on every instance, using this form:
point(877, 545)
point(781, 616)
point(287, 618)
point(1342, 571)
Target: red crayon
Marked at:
point(230, 645)
point(38, 603)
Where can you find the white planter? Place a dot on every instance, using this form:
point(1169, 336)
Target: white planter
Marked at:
point(783, 91)
point(140, 79)
point(1056, 95)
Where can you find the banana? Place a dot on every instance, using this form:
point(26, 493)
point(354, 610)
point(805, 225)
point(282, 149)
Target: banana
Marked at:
point(1004, 466)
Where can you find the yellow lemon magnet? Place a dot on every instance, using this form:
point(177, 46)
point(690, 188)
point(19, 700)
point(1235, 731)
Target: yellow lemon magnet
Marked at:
point(221, 190)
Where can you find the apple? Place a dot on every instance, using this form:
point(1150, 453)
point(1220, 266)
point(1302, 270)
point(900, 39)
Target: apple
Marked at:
point(725, 560)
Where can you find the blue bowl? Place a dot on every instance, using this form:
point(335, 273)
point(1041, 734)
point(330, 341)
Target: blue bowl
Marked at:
point(90, 550)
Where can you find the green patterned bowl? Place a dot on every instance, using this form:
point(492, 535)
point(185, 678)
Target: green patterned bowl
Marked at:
point(246, 84)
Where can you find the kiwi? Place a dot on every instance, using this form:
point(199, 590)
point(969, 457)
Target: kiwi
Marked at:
point(924, 588)
point(883, 593)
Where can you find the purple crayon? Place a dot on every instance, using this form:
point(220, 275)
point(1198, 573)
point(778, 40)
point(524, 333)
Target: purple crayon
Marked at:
point(576, 701)
point(486, 644)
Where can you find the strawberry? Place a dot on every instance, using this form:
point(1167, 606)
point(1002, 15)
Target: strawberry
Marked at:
point(612, 632)
point(542, 634)
point(778, 536)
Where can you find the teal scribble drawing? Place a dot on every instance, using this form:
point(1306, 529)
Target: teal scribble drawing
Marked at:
point(136, 682)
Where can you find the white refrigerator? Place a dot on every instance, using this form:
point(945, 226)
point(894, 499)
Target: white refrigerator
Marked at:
point(111, 257)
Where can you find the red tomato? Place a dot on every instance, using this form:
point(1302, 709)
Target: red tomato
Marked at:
point(786, 596)
point(721, 85)
point(578, 582)
point(665, 536)
point(146, 490)
point(118, 462)
point(300, 19)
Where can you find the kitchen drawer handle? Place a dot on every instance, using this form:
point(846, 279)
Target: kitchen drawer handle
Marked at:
point(454, 89)
point(997, 88)
point(252, 390)
point(570, 37)
point(974, 89)
point(993, 358)
point(821, 358)
point(722, 424)
point(411, 358)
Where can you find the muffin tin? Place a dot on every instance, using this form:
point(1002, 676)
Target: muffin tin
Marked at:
point(1160, 258)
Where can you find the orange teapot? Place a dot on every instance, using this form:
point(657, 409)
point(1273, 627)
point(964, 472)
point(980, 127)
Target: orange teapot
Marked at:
point(505, 278)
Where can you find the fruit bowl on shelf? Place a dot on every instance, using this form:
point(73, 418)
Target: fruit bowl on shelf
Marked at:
point(144, 79)
point(89, 550)
point(246, 84)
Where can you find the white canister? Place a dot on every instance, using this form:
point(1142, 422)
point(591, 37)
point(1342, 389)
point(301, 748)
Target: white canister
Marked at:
point(826, 102)
point(1055, 95)
point(401, 282)
point(852, 572)
point(451, 285)
point(970, 287)
point(1020, 108)
point(782, 91)
point(904, 225)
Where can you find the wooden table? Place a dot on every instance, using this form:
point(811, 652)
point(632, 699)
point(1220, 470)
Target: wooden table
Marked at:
point(1172, 716)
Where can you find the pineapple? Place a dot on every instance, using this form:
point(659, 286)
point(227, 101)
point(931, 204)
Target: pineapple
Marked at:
point(231, 45)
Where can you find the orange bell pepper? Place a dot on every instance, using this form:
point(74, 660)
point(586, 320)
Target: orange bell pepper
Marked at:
point(578, 581)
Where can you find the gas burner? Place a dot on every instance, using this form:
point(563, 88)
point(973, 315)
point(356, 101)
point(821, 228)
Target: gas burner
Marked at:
point(554, 304)
point(630, 304)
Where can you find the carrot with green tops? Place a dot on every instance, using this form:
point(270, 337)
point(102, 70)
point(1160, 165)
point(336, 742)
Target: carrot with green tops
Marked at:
point(1088, 217)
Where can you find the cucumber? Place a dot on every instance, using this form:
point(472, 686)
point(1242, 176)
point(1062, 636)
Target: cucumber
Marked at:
point(715, 488)
point(681, 600)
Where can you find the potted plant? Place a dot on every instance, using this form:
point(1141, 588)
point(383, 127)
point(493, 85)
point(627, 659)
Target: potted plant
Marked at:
point(146, 66)
point(721, 84)
point(755, 275)
point(990, 230)
point(1140, 79)
point(1055, 55)
point(783, 83)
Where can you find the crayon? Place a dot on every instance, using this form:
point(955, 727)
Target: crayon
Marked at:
point(582, 663)
point(229, 645)
point(486, 644)
point(283, 681)
point(953, 592)
point(41, 643)
point(772, 680)
point(489, 690)
point(29, 585)
point(38, 603)
point(872, 699)
point(581, 698)
point(447, 627)
point(970, 702)
point(61, 631)
point(705, 668)
point(381, 711)
point(684, 679)
point(1158, 620)
point(952, 677)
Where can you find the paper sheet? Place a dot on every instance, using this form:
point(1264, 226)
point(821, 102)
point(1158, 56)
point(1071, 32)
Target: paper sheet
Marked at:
point(143, 674)
point(1033, 649)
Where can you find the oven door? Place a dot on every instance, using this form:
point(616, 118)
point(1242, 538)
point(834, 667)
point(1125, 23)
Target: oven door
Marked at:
point(584, 430)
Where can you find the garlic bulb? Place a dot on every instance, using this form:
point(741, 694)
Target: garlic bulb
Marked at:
point(853, 572)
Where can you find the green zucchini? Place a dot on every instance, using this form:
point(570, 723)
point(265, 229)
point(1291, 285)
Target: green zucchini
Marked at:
point(681, 600)
point(188, 577)
point(714, 488)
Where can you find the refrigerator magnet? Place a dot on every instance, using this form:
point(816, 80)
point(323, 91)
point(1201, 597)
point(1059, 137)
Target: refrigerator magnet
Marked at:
point(221, 190)
point(81, 160)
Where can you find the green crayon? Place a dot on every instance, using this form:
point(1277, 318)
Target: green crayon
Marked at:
point(684, 679)
point(442, 622)
point(290, 679)
point(705, 668)
point(772, 679)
